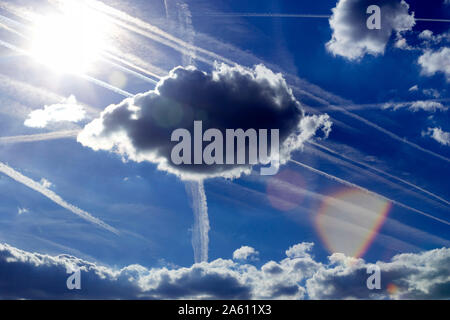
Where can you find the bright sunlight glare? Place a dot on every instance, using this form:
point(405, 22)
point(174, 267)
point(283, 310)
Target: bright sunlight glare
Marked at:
point(70, 41)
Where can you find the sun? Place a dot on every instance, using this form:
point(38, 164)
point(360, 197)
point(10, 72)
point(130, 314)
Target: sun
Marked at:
point(70, 41)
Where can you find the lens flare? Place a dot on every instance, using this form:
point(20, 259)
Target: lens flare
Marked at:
point(284, 190)
point(392, 289)
point(349, 220)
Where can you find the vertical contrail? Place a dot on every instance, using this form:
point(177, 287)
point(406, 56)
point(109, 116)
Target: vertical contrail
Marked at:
point(196, 190)
point(200, 229)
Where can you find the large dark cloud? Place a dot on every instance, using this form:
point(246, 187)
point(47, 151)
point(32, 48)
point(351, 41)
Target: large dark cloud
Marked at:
point(423, 275)
point(352, 39)
point(140, 128)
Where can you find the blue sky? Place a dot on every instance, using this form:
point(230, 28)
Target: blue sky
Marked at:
point(389, 147)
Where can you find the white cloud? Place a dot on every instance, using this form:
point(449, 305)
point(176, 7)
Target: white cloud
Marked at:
point(433, 62)
point(439, 135)
point(22, 211)
point(299, 250)
point(402, 44)
point(352, 39)
point(245, 253)
point(67, 110)
point(423, 275)
point(426, 35)
point(425, 105)
point(414, 88)
point(431, 92)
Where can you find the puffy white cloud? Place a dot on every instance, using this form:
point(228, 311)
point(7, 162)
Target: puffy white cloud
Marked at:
point(426, 35)
point(439, 135)
point(140, 128)
point(68, 110)
point(424, 105)
point(299, 250)
point(352, 39)
point(244, 253)
point(423, 275)
point(433, 62)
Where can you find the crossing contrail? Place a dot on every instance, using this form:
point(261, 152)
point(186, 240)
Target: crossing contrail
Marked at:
point(152, 32)
point(118, 66)
point(36, 186)
point(353, 185)
point(380, 171)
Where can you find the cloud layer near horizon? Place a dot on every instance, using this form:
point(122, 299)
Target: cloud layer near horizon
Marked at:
point(140, 128)
point(299, 275)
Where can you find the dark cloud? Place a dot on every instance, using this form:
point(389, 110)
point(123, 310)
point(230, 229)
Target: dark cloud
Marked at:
point(352, 39)
point(140, 128)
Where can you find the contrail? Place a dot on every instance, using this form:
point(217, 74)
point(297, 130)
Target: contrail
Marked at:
point(381, 172)
point(387, 132)
point(353, 185)
point(39, 137)
point(106, 86)
point(153, 32)
point(292, 15)
point(432, 20)
point(131, 65)
point(36, 186)
point(127, 70)
point(200, 238)
point(166, 9)
point(266, 15)
point(4, 26)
